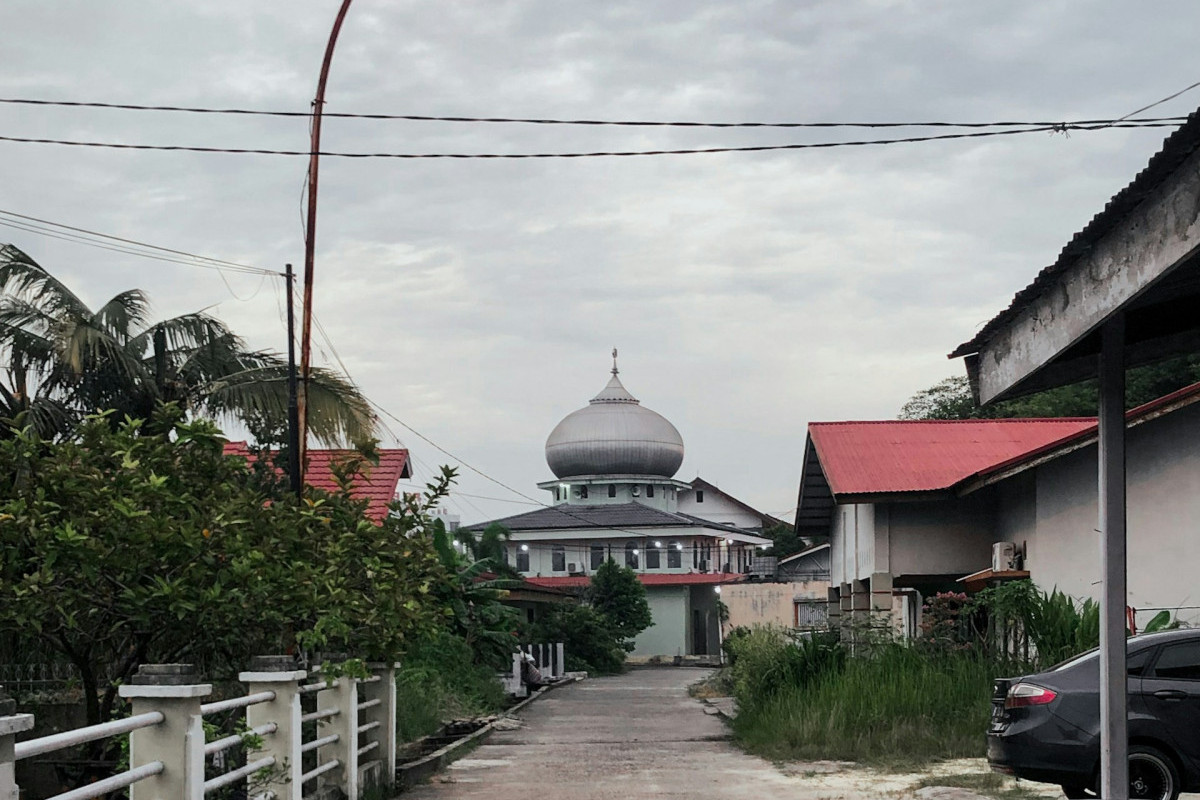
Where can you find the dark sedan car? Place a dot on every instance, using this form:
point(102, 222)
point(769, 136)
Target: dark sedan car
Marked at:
point(1046, 727)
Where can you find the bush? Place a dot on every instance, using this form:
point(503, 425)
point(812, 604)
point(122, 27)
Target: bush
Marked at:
point(768, 660)
point(439, 681)
point(590, 642)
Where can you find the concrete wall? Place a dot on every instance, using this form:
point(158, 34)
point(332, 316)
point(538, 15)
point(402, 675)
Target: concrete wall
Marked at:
point(852, 542)
point(769, 603)
point(1163, 463)
point(940, 537)
point(716, 508)
point(577, 551)
point(670, 609)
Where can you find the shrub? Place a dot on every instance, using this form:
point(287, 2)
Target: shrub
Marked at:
point(588, 638)
point(768, 660)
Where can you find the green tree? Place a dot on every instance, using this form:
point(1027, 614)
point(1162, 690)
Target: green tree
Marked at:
point(589, 641)
point(952, 398)
point(786, 542)
point(135, 543)
point(64, 360)
point(617, 595)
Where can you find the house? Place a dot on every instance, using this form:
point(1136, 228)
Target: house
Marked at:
point(615, 496)
point(916, 507)
point(377, 483)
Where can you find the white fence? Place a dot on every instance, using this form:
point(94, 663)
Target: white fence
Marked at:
point(550, 660)
point(354, 741)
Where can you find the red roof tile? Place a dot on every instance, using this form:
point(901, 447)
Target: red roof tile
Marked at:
point(647, 579)
point(377, 484)
point(927, 455)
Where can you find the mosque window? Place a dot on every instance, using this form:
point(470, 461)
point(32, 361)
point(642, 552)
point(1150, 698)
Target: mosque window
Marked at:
point(523, 559)
point(631, 555)
point(674, 555)
point(612, 490)
point(558, 558)
point(597, 555)
point(556, 496)
point(654, 556)
point(699, 495)
point(649, 490)
point(583, 492)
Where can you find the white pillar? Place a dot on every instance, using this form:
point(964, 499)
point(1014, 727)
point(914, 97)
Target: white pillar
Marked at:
point(562, 660)
point(342, 696)
point(11, 723)
point(177, 741)
point(1114, 697)
point(383, 690)
point(277, 674)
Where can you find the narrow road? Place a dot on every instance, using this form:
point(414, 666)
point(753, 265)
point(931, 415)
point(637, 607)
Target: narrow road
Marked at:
point(633, 736)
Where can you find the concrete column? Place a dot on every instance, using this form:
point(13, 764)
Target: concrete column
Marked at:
point(177, 741)
point(278, 674)
point(11, 723)
point(560, 652)
point(383, 690)
point(343, 697)
point(1114, 697)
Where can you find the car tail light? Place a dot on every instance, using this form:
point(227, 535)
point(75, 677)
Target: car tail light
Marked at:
point(1026, 694)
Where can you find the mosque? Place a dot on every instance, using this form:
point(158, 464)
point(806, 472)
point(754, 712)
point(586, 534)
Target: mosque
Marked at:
point(615, 496)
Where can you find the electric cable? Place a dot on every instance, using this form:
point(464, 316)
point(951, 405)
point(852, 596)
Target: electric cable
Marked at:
point(1055, 128)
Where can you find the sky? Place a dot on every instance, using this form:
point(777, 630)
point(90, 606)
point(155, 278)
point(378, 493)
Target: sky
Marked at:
point(478, 301)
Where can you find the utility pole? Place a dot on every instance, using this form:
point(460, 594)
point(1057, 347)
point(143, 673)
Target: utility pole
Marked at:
point(310, 236)
point(295, 480)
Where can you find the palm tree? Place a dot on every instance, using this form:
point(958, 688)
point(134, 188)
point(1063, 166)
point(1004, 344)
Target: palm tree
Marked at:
point(62, 360)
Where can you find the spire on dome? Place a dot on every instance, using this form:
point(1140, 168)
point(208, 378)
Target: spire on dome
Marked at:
point(615, 370)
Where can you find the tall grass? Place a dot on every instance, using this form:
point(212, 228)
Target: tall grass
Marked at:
point(893, 704)
point(439, 681)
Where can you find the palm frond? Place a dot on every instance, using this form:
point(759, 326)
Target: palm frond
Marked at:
point(21, 275)
point(124, 314)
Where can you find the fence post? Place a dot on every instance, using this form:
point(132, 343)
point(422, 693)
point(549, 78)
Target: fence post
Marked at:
point(383, 690)
point(560, 651)
point(11, 723)
point(177, 741)
point(280, 675)
point(342, 695)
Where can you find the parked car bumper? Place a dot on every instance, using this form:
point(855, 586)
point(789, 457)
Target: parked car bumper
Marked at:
point(1042, 753)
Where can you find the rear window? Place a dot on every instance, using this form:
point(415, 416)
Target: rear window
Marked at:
point(1135, 663)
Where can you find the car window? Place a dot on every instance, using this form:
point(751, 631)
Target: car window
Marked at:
point(1135, 664)
point(1179, 662)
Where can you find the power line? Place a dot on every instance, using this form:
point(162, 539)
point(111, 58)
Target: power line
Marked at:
point(582, 122)
point(1055, 128)
point(1169, 97)
point(58, 230)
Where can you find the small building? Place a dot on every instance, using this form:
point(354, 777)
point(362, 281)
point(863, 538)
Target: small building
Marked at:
point(614, 496)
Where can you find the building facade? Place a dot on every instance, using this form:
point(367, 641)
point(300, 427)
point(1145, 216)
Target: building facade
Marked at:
point(615, 496)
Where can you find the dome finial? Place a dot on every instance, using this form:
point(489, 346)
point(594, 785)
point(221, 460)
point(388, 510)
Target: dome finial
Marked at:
point(615, 370)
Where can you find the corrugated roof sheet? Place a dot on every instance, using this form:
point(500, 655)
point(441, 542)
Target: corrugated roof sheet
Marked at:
point(647, 579)
point(377, 484)
point(1176, 149)
point(926, 455)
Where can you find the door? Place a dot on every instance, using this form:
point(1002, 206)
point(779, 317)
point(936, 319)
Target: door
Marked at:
point(1171, 693)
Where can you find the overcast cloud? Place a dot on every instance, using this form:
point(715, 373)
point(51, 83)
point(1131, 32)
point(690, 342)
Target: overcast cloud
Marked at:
point(478, 300)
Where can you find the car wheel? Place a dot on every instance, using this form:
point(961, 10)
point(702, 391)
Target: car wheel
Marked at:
point(1152, 775)
point(1072, 792)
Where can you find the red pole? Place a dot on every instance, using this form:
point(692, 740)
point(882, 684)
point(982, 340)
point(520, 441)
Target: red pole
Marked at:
point(310, 235)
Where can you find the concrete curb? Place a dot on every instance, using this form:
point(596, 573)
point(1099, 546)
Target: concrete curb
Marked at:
point(722, 710)
point(410, 774)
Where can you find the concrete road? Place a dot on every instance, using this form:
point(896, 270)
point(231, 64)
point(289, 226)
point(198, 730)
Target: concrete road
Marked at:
point(633, 736)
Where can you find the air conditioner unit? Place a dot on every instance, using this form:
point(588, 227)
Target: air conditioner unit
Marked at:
point(572, 568)
point(1004, 556)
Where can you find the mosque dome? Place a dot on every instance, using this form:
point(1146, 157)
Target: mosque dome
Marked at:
point(614, 435)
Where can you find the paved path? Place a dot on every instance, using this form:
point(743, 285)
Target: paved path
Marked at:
point(638, 735)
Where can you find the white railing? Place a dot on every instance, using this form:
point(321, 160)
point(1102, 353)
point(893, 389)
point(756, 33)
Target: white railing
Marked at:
point(550, 660)
point(350, 743)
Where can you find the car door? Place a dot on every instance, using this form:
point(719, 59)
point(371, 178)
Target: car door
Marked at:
point(1171, 693)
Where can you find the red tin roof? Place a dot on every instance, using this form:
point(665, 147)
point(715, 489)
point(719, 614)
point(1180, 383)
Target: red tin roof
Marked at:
point(646, 578)
point(376, 485)
point(861, 458)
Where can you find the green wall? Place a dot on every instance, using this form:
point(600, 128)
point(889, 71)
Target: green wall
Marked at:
point(667, 636)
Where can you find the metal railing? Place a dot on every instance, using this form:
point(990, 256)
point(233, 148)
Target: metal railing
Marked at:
point(354, 719)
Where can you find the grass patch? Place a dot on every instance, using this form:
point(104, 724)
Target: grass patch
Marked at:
point(893, 706)
point(991, 784)
point(719, 684)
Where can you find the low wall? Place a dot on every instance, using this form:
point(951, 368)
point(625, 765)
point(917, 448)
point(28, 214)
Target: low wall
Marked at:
point(752, 604)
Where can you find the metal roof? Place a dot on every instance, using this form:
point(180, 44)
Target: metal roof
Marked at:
point(617, 516)
point(647, 579)
point(1176, 149)
point(376, 484)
